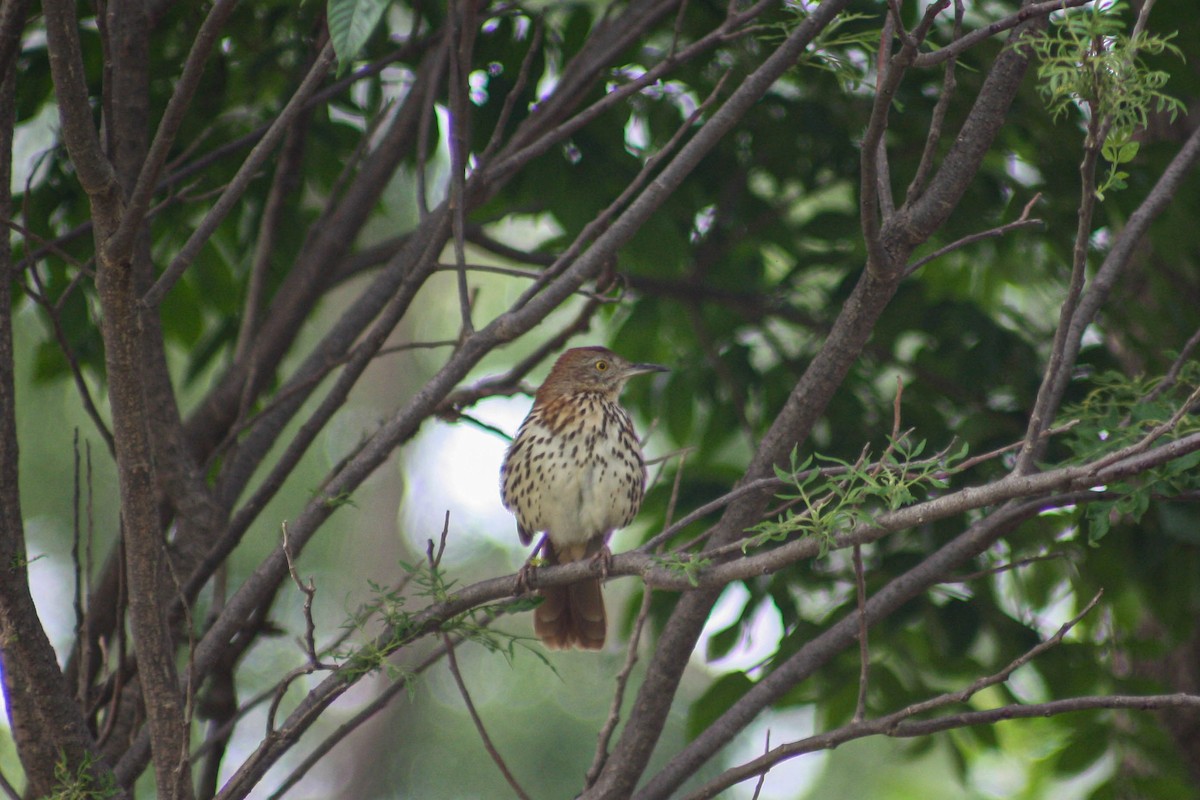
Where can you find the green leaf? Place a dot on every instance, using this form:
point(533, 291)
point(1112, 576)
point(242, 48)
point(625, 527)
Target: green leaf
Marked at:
point(351, 23)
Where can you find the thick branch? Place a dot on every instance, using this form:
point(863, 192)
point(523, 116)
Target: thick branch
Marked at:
point(45, 722)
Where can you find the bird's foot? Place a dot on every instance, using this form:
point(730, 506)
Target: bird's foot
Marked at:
point(604, 556)
point(525, 578)
point(525, 575)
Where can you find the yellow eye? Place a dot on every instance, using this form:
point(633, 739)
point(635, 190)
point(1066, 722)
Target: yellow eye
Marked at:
point(601, 365)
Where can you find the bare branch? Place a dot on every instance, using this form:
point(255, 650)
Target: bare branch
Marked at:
point(168, 127)
point(1020, 223)
point(964, 43)
point(60, 335)
point(241, 181)
point(937, 120)
point(1061, 362)
point(893, 724)
point(452, 661)
point(461, 33)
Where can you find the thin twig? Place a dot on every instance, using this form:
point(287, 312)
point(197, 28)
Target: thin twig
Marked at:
point(961, 45)
point(461, 31)
point(385, 697)
point(864, 653)
point(1154, 433)
point(890, 725)
point(1020, 223)
point(241, 181)
point(602, 220)
point(309, 591)
point(1176, 367)
point(483, 734)
point(937, 120)
point(518, 88)
point(762, 779)
point(1006, 567)
point(64, 344)
point(631, 651)
point(435, 558)
point(8, 788)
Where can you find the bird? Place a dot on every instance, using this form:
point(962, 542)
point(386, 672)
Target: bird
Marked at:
point(575, 471)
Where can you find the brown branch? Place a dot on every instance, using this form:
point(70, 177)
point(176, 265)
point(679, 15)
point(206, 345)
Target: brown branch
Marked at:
point(964, 43)
point(285, 181)
point(842, 634)
point(514, 94)
point(241, 181)
point(509, 382)
point(452, 662)
point(461, 34)
point(428, 620)
point(874, 194)
point(403, 683)
point(604, 219)
point(44, 719)
point(85, 394)
point(937, 120)
point(92, 167)
point(1020, 223)
point(1061, 360)
point(864, 653)
point(1177, 365)
point(1006, 567)
point(309, 591)
point(898, 723)
point(122, 241)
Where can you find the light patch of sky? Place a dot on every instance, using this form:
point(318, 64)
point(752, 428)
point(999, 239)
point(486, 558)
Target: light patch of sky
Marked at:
point(52, 578)
point(1022, 171)
point(637, 136)
point(459, 470)
point(792, 778)
point(1003, 774)
point(760, 640)
point(32, 142)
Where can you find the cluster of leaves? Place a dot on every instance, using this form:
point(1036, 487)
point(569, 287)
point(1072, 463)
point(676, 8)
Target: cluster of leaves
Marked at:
point(81, 782)
point(1090, 59)
point(844, 49)
point(387, 610)
point(846, 495)
point(1121, 412)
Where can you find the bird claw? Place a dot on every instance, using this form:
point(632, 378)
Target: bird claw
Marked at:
point(605, 557)
point(526, 574)
point(525, 577)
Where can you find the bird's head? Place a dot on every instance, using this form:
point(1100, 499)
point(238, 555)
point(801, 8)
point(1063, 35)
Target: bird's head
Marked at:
point(591, 369)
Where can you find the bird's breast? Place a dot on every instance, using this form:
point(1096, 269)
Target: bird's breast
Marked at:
point(575, 472)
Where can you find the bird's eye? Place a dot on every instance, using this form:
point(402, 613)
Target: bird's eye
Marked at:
point(601, 365)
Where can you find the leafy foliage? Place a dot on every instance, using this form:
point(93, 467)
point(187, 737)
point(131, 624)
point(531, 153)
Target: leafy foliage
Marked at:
point(351, 23)
point(838, 499)
point(82, 782)
point(1090, 60)
point(1121, 413)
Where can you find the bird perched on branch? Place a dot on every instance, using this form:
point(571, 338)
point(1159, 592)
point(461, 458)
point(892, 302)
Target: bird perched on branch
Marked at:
point(575, 471)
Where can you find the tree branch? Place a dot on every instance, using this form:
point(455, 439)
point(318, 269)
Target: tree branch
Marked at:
point(241, 181)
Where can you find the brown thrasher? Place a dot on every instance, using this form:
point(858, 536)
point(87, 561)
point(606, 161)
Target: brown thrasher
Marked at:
point(575, 471)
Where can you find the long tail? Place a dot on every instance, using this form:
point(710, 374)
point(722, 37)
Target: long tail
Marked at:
point(571, 616)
